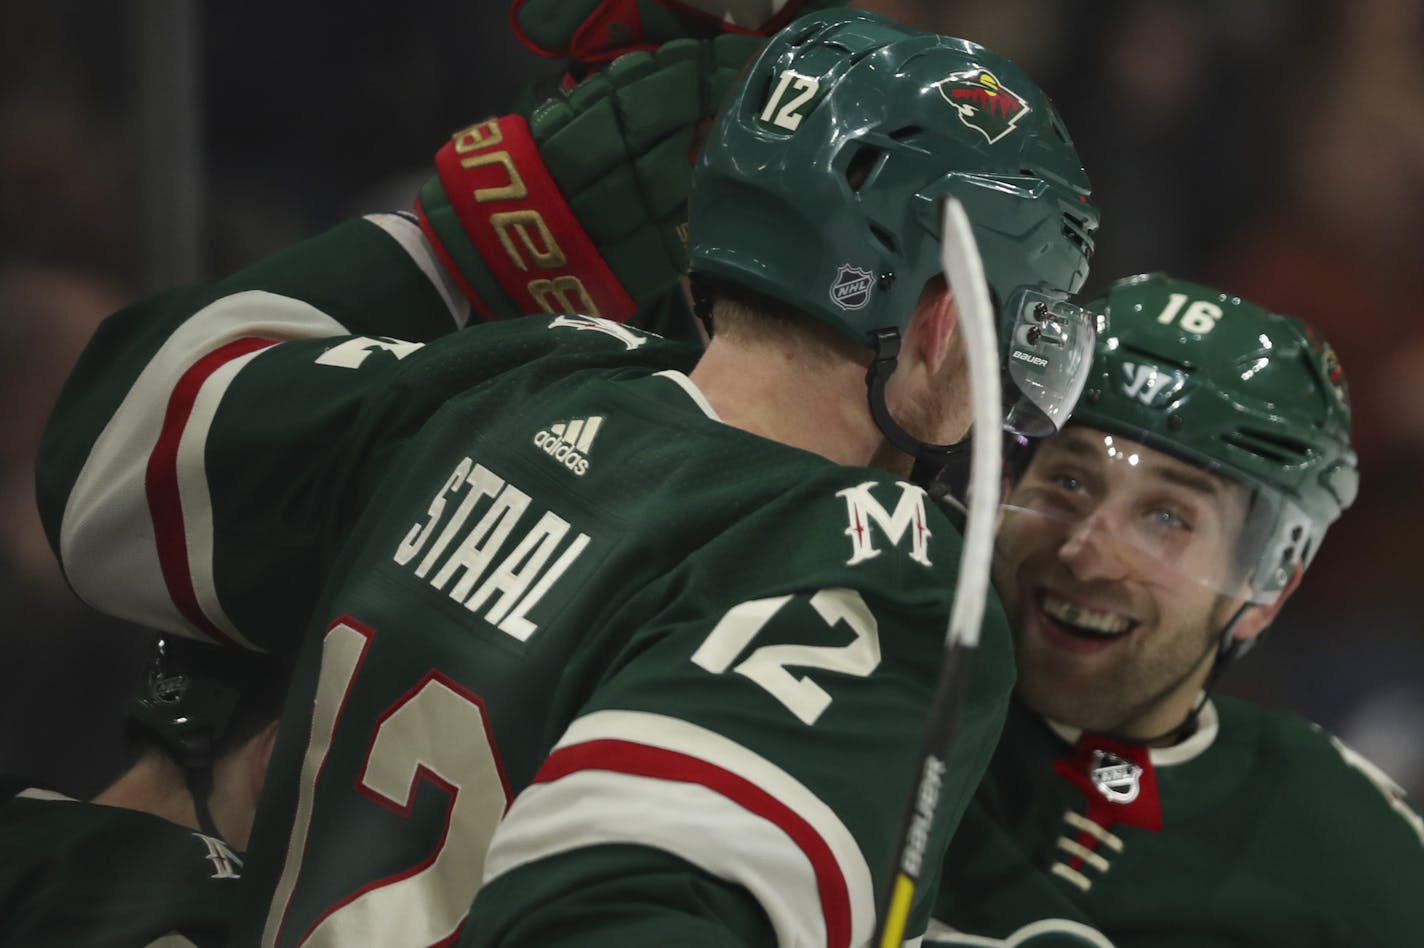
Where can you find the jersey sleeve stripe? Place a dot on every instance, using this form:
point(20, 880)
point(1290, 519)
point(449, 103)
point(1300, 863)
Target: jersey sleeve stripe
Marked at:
point(176, 482)
point(108, 542)
point(407, 233)
point(693, 822)
point(641, 760)
point(757, 821)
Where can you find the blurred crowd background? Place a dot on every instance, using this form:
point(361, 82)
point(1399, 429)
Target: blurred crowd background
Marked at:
point(1274, 148)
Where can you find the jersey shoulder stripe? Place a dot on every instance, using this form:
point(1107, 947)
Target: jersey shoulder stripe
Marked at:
point(108, 544)
point(175, 482)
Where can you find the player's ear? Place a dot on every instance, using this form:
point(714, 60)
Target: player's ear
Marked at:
point(1255, 620)
point(936, 316)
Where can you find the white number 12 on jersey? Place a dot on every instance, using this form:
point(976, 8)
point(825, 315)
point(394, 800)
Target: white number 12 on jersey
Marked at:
point(767, 665)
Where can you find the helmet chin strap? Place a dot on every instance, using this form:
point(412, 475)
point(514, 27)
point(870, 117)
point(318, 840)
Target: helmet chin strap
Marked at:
point(1229, 648)
point(197, 761)
point(200, 786)
point(929, 459)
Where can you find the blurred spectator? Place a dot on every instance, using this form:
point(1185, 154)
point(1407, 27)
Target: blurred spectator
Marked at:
point(1337, 242)
point(1338, 245)
point(65, 668)
point(1030, 32)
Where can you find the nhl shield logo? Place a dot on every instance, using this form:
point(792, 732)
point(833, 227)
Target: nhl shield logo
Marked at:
point(983, 103)
point(851, 287)
point(1116, 779)
point(167, 689)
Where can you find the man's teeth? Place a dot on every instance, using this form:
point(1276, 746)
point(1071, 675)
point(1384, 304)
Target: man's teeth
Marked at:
point(1106, 623)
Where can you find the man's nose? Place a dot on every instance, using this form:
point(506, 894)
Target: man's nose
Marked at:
point(1093, 549)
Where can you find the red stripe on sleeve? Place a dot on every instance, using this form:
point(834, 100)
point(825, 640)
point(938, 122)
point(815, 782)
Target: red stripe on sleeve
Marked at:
point(642, 760)
point(165, 505)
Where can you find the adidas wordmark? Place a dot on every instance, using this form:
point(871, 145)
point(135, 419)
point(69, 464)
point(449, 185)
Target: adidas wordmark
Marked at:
point(568, 442)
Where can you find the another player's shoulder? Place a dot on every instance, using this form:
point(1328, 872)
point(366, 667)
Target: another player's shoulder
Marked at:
point(30, 813)
point(76, 873)
point(39, 823)
point(1319, 776)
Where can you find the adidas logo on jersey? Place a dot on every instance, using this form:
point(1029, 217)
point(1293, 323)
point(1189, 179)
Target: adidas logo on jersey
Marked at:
point(568, 442)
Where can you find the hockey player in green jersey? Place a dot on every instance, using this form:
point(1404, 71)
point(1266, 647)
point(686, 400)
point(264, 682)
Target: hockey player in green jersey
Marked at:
point(1141, 551)
point(154, 858)
point(629, 638)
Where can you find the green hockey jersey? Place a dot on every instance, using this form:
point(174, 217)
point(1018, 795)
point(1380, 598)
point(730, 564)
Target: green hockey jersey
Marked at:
point(1259, 830)
point(560, 632)
point(77, 874)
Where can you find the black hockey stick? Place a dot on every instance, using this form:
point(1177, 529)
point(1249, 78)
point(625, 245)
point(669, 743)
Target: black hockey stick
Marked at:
point(964, 269)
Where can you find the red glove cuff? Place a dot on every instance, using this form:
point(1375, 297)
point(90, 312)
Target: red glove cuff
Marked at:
point(524, 230)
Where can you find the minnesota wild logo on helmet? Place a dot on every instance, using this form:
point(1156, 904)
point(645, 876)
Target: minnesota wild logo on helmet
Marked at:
point(983, 102)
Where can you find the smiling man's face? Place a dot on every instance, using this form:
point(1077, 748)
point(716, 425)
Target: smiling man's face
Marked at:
point(1110, 561)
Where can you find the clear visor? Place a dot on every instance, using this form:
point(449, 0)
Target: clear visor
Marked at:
point(1108, 508)
point(1050, 353)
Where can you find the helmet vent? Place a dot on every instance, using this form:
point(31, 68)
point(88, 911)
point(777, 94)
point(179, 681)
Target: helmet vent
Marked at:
point(909, 131)
point(1273, 447)
point(887, 240)
point(1076, 230)
point(1182, 364)
point(862, 166)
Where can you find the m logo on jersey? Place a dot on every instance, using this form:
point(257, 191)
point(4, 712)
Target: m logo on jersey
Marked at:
point(568, 442)
point(226, 863)
point(629, 337)
point(1150, 384)
point(983, 103)
point(908, 518)
point(851, 287)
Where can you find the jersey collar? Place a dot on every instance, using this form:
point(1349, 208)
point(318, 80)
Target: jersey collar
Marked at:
point(1208, 725)
point(693, 392)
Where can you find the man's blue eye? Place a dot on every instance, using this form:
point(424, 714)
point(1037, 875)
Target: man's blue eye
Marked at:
point(1166, 518)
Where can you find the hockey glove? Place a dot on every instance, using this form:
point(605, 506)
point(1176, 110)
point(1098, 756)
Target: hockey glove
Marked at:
point(583, 207)
point(593, 31)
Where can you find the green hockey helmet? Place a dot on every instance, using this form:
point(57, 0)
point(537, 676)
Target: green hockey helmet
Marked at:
point(821, 182)
point(197, 701)
point(1254, 397)
point(189, 695)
